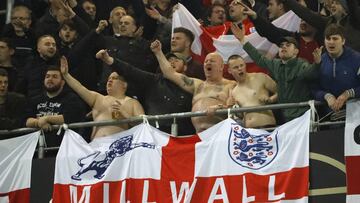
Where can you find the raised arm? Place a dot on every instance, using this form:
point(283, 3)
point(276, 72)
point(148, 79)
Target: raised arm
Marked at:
point(186, 83)
point(265, 28)
point(88, 96)
point(254, 54)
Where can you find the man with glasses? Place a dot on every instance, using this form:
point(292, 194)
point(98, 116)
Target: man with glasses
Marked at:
point(20, 32)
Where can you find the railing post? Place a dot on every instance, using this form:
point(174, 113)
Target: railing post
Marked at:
point(9, 7)
point(41, 150)
point(174, 128)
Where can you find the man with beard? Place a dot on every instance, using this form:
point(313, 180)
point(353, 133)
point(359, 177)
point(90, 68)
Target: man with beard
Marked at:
point(252, 89)
point(214, 91)
point(54, 107)
point(307, 37)
point(29, 81)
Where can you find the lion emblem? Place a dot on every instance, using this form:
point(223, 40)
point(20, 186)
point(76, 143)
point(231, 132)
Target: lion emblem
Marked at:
point(252, 151)
point(117, 149)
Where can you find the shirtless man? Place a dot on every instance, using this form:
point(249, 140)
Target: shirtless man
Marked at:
point(115, 105)
point(214, 91)
point(252, 89)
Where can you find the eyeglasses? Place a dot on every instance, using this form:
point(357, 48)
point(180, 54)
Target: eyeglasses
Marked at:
point(19, 18)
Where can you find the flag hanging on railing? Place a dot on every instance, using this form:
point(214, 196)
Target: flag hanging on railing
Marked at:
point(225, 163)
point(15, 168)
point(352, 151)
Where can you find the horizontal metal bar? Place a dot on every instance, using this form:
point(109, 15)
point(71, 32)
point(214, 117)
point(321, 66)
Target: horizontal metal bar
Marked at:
point(166, 116)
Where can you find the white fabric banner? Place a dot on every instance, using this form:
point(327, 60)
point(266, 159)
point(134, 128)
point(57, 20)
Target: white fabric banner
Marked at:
point(225, 162)
point(352, 151)
point(227, 45)
point(15, 167)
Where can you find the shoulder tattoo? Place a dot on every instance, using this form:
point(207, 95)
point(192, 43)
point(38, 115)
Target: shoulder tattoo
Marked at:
point(187, 81)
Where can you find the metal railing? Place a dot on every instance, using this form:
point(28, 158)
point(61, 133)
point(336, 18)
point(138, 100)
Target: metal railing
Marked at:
point(42, 149)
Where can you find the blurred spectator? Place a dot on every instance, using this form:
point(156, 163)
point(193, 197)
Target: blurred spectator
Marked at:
point(155, 89)
point(57, 13)
point(12, 105)
point(158, 21)
point(181, 42)
point(307, 37)
point(6, 53)
point(115, 15)
point(239, 16)
point(276, 8)
point(252, 89)
point(80, 52)
point(339, 15)
point(30, 80)
point(116, 105)
point(20, 31)
point(130, 47)
point(340, 70)
point(90, 8)
point(216, 15)
point(292, 75)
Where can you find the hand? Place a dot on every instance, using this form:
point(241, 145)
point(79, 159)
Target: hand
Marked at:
point(153, 13)
point(210, 111)
point(101, 26)
point(116, 109)
point(238, 32)
point(155, 46)
point(139, 32)
point(341, 100)
point(248, 11)
point(331, 102)
point(64, 67)
point(317, 55)
point(264, 99)
point(66, 9)
point(43, 124)
point(105, 57)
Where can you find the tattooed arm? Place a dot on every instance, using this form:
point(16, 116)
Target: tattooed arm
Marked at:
point(187, 83)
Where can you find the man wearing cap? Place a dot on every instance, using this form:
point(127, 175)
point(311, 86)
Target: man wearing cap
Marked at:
point(161, 96)
point(291, 74)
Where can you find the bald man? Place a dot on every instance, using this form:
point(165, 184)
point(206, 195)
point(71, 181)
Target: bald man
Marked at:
point(214, 91)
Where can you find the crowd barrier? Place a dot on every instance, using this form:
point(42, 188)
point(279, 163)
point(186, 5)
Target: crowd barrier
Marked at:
point(41, 146)
point(327, 168)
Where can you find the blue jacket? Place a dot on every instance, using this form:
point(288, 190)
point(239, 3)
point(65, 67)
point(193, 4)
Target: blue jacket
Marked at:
point(340, 74)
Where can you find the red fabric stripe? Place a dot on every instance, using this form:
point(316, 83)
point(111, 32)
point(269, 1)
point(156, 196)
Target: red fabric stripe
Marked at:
point(18, 196)
point(353, 174)
point(293, 183)
point(175, 154)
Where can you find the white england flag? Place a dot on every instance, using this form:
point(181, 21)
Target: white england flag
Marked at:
point(225, 163)
point(227, 45)
point(15, 168)
point(352, 151)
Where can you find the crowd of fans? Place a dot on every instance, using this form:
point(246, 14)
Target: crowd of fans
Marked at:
point(79, 60)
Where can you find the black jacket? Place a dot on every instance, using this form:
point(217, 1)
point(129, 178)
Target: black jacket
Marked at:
point(160, 95)
point(12, 111)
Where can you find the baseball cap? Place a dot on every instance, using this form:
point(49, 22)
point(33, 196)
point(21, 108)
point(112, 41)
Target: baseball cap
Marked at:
point(290, 40)
point(176, 55)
